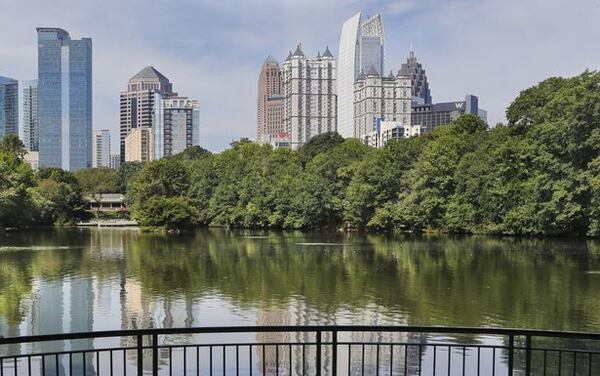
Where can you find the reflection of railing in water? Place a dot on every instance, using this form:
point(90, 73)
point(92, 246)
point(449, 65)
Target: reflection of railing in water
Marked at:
point(323, 350)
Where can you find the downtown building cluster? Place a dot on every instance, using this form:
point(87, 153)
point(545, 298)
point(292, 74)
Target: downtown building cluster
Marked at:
point(52, 114)
point(352, 95)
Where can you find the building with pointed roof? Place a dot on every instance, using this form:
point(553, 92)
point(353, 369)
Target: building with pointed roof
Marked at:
point(269, 106)
point(310, 100)
point(420, 87)
point(361, 46)
point(378, 99)
point(138, 101)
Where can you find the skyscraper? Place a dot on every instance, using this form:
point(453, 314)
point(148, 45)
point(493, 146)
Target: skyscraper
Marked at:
point(9, 106)
point(420, 87)
point(176, 125)
point(361, 47)
point(101, 149)
point(137, 103)
point(139, 145)
point(309, 95)
point(379, 99)
point(269, 112)
point(64, 99)
point(30, 125)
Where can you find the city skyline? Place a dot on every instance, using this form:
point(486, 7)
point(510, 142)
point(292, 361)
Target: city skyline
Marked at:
point(464, 46)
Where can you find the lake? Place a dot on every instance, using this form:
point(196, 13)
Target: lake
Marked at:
point(71, 280)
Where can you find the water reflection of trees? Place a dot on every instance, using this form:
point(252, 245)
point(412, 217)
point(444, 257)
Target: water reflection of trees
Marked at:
point(430, 280)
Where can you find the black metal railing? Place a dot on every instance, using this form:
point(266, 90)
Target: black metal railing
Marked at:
point(304, 350)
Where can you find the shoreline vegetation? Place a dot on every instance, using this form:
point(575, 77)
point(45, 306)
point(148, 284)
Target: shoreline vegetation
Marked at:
point(538, 175)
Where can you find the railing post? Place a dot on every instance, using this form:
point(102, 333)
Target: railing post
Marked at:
point(155, 354)
point(140, 355)
point(511, 354)
point(318, 353)
point(528, 355)
point(334, 347)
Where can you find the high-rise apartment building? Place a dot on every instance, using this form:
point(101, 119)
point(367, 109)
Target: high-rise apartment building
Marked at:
point(176, 125)
point(420, 87)
point(361, 47)
point(269, 111)
point(9, 106)
point(30, 125)
point(64, 99)
point(139, 145)
point(310, 102)
point(379, 98)
point(137, 103)
point(101, 148)
point(115, 161)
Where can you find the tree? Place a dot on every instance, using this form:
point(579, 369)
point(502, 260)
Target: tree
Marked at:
point(126, 172)
point(318, 144)
point(12, 144)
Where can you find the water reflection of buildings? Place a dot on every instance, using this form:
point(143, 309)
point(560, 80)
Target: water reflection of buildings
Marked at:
point(298, 313)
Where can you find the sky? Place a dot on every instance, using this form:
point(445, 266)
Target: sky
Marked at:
point(212, 50)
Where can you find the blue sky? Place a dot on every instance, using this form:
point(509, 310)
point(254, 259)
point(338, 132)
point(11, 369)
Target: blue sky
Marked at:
point(212, 50)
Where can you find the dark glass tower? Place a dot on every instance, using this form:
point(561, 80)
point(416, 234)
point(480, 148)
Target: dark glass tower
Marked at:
point(414, 70)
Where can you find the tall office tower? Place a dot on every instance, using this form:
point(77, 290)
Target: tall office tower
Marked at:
point(379, 98)
point(9, 106)
point(139, 145)
point(64, 99)
point(101, 149)
point(30, 125)
point(137, 103)
point(420, 87)
point(176, 125)
point(309, 96)
point(115, 161)
point(269, 112)
point(361, 47)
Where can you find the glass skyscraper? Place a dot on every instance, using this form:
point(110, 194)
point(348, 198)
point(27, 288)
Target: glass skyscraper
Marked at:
point(9, 106)
point(361, 48)
point(30, 126)
point(64, 100)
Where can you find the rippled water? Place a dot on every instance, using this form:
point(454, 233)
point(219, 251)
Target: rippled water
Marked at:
point(96, 279)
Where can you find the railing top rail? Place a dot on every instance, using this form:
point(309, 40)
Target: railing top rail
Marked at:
point(300, 329)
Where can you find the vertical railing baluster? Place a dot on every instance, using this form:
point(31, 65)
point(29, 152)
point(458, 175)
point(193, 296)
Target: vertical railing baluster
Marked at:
point(405, 360)
point(111, 364)
point(303, 359)
point(559, 362)
point(237, 360)
point(334, 344)
point(184, 360)
point(420, 359)
point(362, 360)
point(43, 366)
point(224, 361)
point(527, 355)
point(511, 350)
point(197, 360)
point(434, 358)
point(125, 363)
point(574, 363)
point(349, 358)
point(391, 359)
point(276, 360)
point(464, 364)
point(545, 361)
point(70, 363)
point(494, 361)
point(590, 364)
point(250, 358)
point(449, 358)
point(478, 361)
point(155, 354)
point(16, 365)
point(290, 359)
point(97, 362)
point(140, 356)
point(210, 360)
point(319, 353)
point(56, 364)
point(377, 360)
point(29, 365)
point(170, 360)
point(84, 363)
point(264, 365)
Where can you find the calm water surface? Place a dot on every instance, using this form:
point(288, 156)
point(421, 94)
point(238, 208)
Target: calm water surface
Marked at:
point(99, 279)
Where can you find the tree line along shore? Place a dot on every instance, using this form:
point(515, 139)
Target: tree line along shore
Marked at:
point(538, 174)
